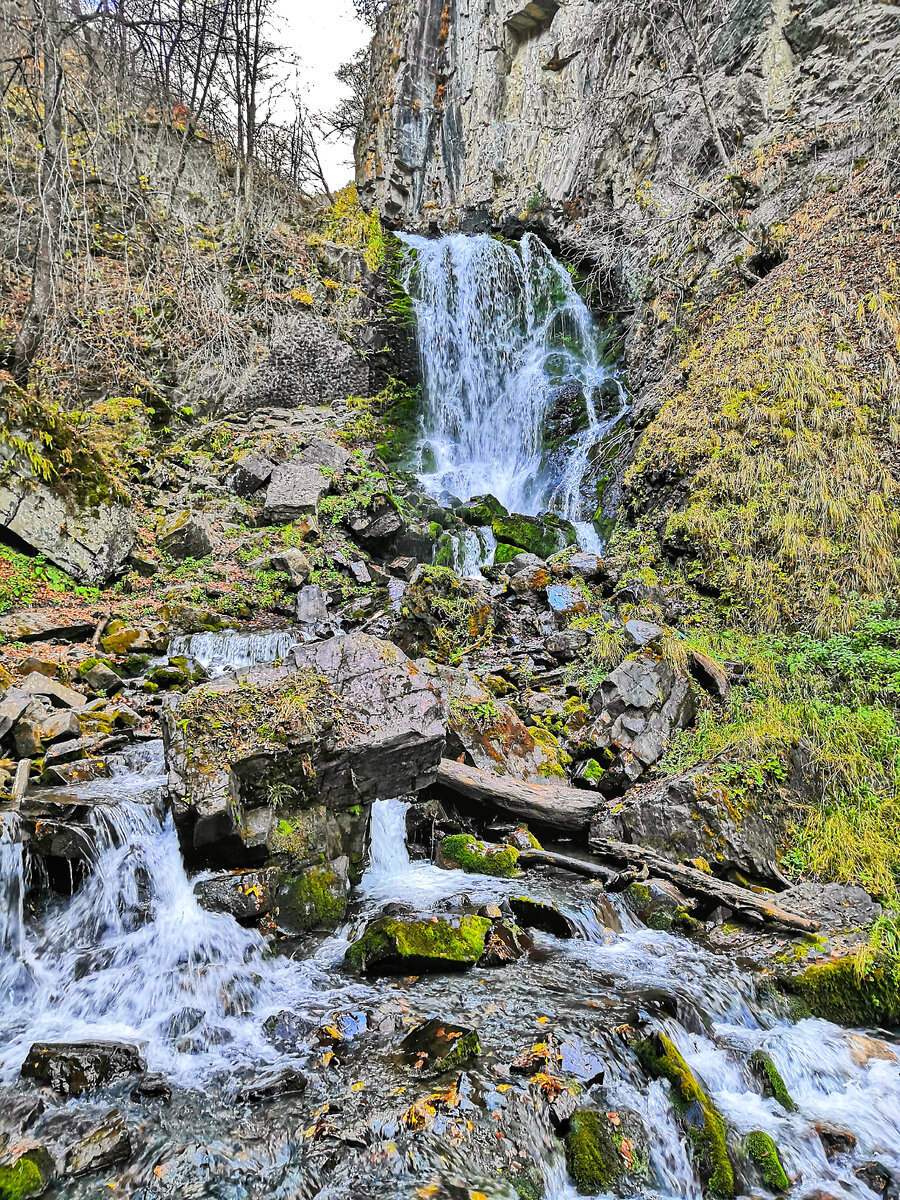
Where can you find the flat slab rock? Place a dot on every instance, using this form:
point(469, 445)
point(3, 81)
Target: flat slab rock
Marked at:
point(44, 627)
point(294, 491)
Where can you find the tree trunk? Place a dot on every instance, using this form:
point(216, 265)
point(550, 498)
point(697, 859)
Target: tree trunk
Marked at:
point(566, 809)
point(50, 174)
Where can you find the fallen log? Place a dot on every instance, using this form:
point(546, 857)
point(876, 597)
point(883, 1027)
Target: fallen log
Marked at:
point(615, 881)
point(564, 808)
point(698, 883)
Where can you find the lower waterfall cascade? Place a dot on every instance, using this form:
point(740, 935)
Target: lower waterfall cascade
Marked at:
point(132, 956)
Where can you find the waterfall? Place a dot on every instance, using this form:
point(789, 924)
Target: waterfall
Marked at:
point(506, 344)
point(219, 653)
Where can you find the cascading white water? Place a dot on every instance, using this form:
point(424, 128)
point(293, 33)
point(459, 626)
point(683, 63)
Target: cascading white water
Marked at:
point(219, 653)
point(502, 335)
point(134, 956)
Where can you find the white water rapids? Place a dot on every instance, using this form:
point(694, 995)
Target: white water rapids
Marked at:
point(133, 956)
point(503, 336)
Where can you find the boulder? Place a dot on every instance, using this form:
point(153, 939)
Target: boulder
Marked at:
point(29, 664)
point(26, 1170)
point(567, 644)
point(312, 607)
point(185, 535)
point(249, 474)
point(108, 1143)
point(294, 491)
point(541, 914)
point(13, 706)
point(587, 566)
point(414, 945)
point(102, 678)
point(73, 1068)
point(89, 541)
point(60, 727)
point(315, 898)
point(379, 524)
point(286, 1082)
point(244, 895)
point(339, 723)
point(436, 1046)
point(542, 536)
point(323, 452)
point(27, 738)
point(293, 563)
point(58, 693)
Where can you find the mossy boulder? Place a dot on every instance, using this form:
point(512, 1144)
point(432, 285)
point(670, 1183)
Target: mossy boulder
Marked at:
point(838, 991)
point(703, 1121)
point(763, 1153)
point(437, 1046)
point(505, 553)
point(482, 510)
point(413, 945)
point(602, 1148)
point(313, 899)
point(479, 858)
point(769, 1077)
point(543, 536)
point(30, 1175)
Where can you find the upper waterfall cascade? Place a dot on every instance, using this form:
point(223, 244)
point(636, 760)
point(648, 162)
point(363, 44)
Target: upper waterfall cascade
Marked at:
point(516, 395)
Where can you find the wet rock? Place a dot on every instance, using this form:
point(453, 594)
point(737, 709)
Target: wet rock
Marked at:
point(294, 491)
point(60, 727)
point(249, 474)
point(70, 774)
point(437, 1046)
point(836, 1140)
point(121, 638)
point(505, 943)
point(876, 1177)
point(763, 1153)
point(315, 898)
point(360, 573)
point(770, 1079)
point(68, 752)
point(153, 1087)
point(244, 895)
point(392, 945)
point(833, 990)
point(91, 542)
point(602, 1149)
point(108, 1143)
point(542, 536)
point(73, 1068)
point(184, 536)
point(26, 1170)
point(272, 1084)
point(58, 693)
point(541, 914)
point(481, 510)
point(579, 1061)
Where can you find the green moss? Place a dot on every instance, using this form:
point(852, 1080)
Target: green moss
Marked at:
point(764, 1153)
point(837, 992)
point(591, 1155)
point(315, 899)
point(592, 770)
point(661, 1059)
point(770, 1077)
point(505, 553)
point(638, 895)
point(481, 510)
point(28, 1176)
point(542, 536)
point(412, 944)
point(480, 859)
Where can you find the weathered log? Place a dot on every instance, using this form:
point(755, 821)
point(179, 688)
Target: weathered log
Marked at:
point(615, 881)
point(564, 808)
point(698, 883)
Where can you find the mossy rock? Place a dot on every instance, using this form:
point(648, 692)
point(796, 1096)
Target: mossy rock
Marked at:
point(437, 1046)
point(479, 858)
point(604, 1147)
point(542, 536)
point(505, 553)
point(30, 1175)
point(415, 945)
point(837, 992)
point(763, 1153)
point(314, 899)
point(770, 1078)
point(481, 510)
point(170, 676)
point(705, 1126)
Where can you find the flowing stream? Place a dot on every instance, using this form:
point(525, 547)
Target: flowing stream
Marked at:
point(517, 398)
point(133, 956)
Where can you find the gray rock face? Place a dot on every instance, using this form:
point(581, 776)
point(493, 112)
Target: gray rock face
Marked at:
point(41, 626)
point(357, 722)
point(639, 705)
point(244, 895)
point(62, 696)
point(249, 474)
point(92, 543)
point(107, 1143)
point(185, 536)
point(294, 491)
point(323, 452)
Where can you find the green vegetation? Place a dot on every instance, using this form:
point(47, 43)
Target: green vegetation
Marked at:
point(853, 991)
point(314, 899)
point(661, 1059)
point(28, 1176)
point(401, 944)
point(23, 579)
point(762, 1151)
point(770, 1077)
point(591, 1155)
point(480, 859)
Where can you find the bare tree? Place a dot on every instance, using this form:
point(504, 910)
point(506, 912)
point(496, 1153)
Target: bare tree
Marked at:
point(345, 120)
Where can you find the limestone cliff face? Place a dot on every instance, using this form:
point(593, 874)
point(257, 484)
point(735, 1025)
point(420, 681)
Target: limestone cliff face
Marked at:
point(485, 110)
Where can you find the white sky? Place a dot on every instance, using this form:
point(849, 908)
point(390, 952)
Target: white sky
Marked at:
point(324, 34)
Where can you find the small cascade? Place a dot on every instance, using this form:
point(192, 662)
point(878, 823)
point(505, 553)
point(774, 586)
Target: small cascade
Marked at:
point(13, 886)
point(220, 653)
point(517, 399)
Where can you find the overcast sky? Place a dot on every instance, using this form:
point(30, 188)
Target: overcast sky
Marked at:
point(324, 33)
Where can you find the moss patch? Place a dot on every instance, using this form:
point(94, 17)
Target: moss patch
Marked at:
point(315, 899)
point(661, 1059)
point(591, 1155)
point(542, 536)
point(770, 1077)
point(763, 1152)
point(479, 858)
point(30, 1175)
point(837, 992)
point(391, 944)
